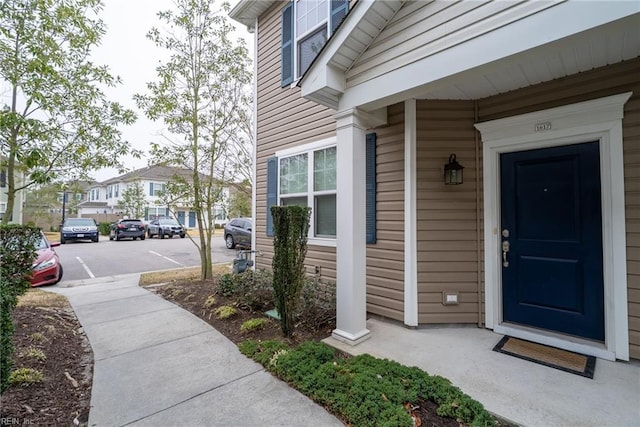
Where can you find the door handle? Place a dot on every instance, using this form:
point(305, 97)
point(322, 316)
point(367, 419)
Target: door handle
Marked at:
point(505, 249)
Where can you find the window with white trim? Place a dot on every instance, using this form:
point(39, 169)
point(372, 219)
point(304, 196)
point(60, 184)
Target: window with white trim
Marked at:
point(309, 179)
point(156, 189)
point(3, 207)
point(306, 27)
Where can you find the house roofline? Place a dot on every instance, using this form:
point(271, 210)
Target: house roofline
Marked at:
point(247, 11)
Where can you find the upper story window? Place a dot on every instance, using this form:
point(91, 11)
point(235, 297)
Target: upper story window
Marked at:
point(95, 194)
point(156, 189)
point(306, 26)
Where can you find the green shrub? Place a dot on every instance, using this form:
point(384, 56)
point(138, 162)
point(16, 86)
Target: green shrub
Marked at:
point(25, 376)
point(262, 351)
point(226, 285)
point(17, 252)
point(251, 289)
point(104, 228)
point(253, 324)
point(291, 226)
point(364, 390)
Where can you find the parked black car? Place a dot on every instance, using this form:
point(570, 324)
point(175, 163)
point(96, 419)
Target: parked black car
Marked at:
point(133, 228)
point(79, 229)
point(165, 227)
point(237, 232)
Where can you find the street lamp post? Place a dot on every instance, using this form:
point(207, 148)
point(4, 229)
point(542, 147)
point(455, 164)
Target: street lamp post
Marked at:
point(64, 206)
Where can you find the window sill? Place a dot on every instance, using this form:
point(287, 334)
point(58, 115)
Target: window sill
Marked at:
point(318, 241)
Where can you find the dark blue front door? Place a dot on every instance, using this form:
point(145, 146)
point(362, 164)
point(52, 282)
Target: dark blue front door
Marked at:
point(552, 275)
point(181, 217)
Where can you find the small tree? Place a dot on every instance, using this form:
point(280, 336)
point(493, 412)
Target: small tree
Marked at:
point(17, 252)
point(202, 95)
point(133, 201)
point(291, 226)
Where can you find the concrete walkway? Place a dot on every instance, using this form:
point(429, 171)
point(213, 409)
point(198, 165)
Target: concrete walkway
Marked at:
point(526, 393)
point(157, 364)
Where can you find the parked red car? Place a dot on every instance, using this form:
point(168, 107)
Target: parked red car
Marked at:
point(46, 269)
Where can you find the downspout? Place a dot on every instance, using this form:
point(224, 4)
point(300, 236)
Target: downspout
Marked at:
point(478, 212)
point(254, 130)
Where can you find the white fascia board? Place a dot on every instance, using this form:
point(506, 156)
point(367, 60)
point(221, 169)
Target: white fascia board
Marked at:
point(247, 12)
point(549, 25)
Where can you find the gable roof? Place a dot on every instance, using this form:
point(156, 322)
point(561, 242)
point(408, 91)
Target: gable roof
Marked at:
point(489, 60)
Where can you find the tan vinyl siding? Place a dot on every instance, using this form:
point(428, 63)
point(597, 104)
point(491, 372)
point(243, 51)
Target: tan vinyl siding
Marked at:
point(385, 258)
point(284, 120)
point(611, 80)
point(446, 217)
point(422, 29)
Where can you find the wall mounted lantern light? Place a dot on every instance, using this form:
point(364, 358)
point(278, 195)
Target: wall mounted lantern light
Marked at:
point(453, 171)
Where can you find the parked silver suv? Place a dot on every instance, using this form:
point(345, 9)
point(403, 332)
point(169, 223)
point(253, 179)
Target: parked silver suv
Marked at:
point(165, 227)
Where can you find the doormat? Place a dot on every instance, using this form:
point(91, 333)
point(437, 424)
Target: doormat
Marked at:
point(564, 360)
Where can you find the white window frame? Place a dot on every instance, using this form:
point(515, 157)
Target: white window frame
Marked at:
point(297, 39)
point(162, 187)
point(3, 207)
point(309, 149)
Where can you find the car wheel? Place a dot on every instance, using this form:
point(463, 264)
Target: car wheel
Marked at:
point(161, 234)
point(182, 236)
point(142, 237)
point(149, 235)
point(110, 235)
point(62, 241)
point(96, 240)
point(60, 271)
point(117, 236)
point(229, 241)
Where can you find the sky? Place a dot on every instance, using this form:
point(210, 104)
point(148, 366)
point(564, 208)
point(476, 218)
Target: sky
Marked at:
point(130, 55)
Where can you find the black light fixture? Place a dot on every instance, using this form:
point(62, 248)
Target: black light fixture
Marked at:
point(453, 171)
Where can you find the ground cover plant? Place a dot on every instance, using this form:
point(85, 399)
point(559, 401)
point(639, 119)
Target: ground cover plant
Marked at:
point(364, 390)
point(361, 390)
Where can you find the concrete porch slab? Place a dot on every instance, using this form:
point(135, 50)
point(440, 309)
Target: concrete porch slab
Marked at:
point(524, 392)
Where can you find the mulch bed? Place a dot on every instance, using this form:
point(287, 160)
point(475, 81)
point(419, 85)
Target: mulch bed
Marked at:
point(64, 393)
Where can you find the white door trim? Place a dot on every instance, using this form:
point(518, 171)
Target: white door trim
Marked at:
point(596, 120)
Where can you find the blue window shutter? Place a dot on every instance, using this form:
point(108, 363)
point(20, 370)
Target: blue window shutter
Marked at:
point(166, 212)
point(339, 9)
point(272, 191)
point(371, 187)
point(287, 45)
point(3, 178)
point(151, 188)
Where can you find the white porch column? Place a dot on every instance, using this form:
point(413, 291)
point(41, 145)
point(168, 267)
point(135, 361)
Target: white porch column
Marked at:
point(351, 293)
point(410, 215)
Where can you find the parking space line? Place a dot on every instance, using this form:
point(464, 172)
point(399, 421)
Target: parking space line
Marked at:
point(167, 258)
point(91, 275)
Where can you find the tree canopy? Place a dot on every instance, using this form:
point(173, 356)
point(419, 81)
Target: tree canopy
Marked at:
point(58, 122)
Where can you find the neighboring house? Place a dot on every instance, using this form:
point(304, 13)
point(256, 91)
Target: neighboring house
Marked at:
point(104, 197)
point(539, 102)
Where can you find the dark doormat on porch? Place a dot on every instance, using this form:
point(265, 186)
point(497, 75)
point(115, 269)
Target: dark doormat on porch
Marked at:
point(564, 360)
